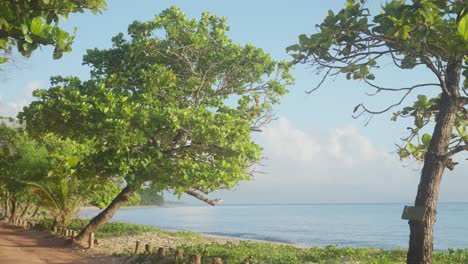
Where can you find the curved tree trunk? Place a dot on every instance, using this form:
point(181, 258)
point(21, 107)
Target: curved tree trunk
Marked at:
point(421, 232)
point(103, 217)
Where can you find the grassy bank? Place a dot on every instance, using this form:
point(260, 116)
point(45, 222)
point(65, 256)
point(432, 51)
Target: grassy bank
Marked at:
point(236, 251)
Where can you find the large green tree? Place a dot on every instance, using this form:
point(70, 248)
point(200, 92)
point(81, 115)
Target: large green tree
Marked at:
point(31, 24)
point(174, 105)
point(429, 35)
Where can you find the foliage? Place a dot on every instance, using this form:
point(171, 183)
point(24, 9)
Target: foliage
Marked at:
point(115, 229)
point(107, 191)
point(161, 107)
point(63, 189)
point(45, 172)
point(21, 159)
point(120, 229)
point(30, 24)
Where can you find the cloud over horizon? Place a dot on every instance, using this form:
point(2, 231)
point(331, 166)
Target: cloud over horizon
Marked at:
point(335, 165)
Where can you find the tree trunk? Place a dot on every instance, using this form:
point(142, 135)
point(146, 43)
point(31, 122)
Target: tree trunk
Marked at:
point(421, 232)
point(103, 217)
point(13, 210)
point(36, 211)
point(6, 209)
point(25, 210)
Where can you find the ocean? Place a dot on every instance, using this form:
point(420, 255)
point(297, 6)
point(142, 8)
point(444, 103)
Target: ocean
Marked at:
point(357, 225)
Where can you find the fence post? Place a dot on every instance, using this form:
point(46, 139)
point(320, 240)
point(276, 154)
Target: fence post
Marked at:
point(137, 247)
point(161, 252)
point(148, 248)
point(91, 240)
point(195, 259)
point(179, 255)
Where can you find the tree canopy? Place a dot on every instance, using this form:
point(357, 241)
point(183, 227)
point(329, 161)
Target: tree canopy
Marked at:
point(175, 105)
point(426, 34)
point(31, 24)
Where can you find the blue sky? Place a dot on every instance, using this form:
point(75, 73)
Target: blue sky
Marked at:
point(316, 151)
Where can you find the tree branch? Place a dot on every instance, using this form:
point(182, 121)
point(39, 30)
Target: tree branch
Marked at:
point(200, 197)
point(456, 150)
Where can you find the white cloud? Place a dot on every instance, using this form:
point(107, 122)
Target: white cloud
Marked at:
point(10, 108)
point(291, 143)
point(342, 145)
point(334, 165)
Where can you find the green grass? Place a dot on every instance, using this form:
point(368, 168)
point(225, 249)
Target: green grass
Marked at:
point(119, 229)
point(278, 254)
point(266, 253)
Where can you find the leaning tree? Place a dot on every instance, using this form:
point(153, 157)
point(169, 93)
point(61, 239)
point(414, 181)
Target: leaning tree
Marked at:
point(173, 105)
point(426, 34)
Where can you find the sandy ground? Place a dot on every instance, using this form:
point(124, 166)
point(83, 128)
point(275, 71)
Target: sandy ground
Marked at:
point(19, 246)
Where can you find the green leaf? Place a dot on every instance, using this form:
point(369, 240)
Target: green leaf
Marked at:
point(463, 27)
point(37, 27)
point(350, 3)
point(295, 47)
point(411, 147)
point(73, 161)
point(426, 139)
point(24, 29)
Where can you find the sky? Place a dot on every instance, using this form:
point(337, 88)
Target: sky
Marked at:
point(315, 152)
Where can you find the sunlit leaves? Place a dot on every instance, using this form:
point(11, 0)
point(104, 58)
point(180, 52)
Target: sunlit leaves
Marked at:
point(39, 24)
point(463, 27)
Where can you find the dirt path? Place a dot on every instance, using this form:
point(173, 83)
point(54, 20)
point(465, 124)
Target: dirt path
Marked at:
point(19, 246)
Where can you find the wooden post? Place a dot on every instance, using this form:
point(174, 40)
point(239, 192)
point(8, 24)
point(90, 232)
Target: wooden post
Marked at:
point(195, 259)
point(148, 248)
point(179, 255)
point(217, 261)
point(73, 235)
point(161, 252)
point(137, 247)
point(91, 240)
point(55, 230)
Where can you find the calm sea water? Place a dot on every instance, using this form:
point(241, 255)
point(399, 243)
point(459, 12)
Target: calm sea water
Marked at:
point(358, 225)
